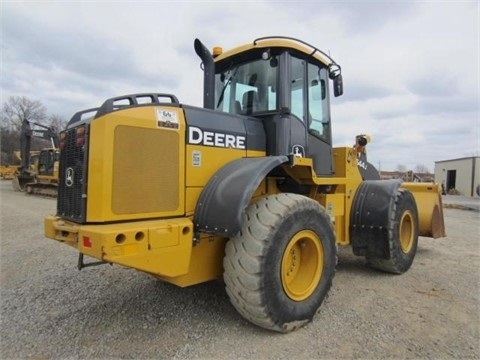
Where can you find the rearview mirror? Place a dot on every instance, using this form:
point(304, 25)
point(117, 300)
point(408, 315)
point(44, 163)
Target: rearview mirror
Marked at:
point(338, 85)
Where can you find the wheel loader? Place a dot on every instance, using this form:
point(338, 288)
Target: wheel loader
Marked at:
point(247, 188)
point(38, 171)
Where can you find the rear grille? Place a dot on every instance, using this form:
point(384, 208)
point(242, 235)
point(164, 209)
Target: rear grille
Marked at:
point(145, 170)
point(71, 203)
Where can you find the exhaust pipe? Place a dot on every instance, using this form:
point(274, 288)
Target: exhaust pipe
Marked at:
point(208, 74)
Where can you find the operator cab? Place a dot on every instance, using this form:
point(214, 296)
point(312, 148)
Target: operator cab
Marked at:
point(46, 161)
point(284, 82)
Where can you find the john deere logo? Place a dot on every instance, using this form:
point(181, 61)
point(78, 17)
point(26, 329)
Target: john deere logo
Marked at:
point(69, 177)
point(298, 151)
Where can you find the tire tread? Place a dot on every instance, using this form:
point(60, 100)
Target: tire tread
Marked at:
point(397, 265)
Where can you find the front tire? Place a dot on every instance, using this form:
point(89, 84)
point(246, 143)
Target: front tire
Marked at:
point(280, 266)
point(402, 235)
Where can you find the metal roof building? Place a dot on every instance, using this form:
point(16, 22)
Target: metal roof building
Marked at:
point(459, 176)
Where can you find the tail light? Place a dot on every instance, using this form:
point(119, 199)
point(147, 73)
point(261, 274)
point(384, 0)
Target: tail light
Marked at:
point(80, 138)
point(63, 140)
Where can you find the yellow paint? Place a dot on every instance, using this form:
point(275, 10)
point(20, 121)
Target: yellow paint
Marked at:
point(191, 197)
point(139, 161)
point(406, 232)
point(273, 43)
point(206, 262)
point(344, 185)
point(429, 206)
point(160, 247)
point(203, 161)
point(302, 265)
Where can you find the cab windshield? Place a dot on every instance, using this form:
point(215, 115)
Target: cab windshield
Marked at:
point(247, 88)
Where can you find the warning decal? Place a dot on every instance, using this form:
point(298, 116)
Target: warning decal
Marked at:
point(167, 119)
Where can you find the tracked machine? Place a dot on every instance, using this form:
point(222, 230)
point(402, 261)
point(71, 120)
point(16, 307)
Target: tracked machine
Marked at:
point(247, 187)
point(38, 171)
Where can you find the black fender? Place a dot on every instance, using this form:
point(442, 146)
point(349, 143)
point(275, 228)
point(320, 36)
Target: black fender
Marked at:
point(227, 194)
point(367, 170)
point(369, 217)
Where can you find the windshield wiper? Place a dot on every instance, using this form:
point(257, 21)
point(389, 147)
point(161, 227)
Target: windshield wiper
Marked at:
point(229, 81)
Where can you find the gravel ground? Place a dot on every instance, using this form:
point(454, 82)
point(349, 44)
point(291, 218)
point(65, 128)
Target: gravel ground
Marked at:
point(51, 310)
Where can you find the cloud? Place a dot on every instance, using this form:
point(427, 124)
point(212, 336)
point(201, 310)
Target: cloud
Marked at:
point(411, 69)
point(442, 93)
point(362, 91)
point(435, 85)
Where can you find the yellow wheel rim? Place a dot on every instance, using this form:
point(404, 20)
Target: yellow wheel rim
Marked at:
point(406, 232)
point(302, 265)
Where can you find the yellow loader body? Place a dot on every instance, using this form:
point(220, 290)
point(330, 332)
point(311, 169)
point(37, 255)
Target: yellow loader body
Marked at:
point(160, 247)
point(248, 187)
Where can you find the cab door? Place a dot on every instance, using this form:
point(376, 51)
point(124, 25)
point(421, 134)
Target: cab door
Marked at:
point(309, 105)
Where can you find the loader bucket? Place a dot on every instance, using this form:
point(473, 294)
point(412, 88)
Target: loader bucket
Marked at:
point(430, 209)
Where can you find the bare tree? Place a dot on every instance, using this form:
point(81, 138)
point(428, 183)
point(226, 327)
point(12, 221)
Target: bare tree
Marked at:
point(57, 122)
point(9, 142)
point(14, 111)
point(401, 168)
point(19, 108)
point(421, 169)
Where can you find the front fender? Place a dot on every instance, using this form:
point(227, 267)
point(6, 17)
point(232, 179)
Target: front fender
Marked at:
point(226, 196)
point(369, 217)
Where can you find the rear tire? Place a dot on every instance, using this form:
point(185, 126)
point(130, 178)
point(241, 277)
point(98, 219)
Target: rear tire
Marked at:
point(402, 235)
point(280, 266)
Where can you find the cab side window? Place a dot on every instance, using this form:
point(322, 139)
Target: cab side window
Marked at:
point(318, 111)
point(297, 83)
point(309, 97)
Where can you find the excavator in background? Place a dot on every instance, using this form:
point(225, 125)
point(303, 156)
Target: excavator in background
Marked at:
point(38, 170)
point(248, 187)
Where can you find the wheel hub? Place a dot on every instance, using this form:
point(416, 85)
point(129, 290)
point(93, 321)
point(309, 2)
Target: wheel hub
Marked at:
point(406, 232)
point(302, 265)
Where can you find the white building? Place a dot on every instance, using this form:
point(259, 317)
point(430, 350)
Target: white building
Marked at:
point(459, 175)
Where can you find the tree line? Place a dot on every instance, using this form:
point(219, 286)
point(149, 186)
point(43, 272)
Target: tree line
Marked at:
point(418, 169)
point(14, 111)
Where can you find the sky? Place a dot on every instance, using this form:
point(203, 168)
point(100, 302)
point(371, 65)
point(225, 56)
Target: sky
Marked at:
point(410, 68)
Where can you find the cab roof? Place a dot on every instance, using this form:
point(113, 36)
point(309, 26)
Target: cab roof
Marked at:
point(280, 42)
